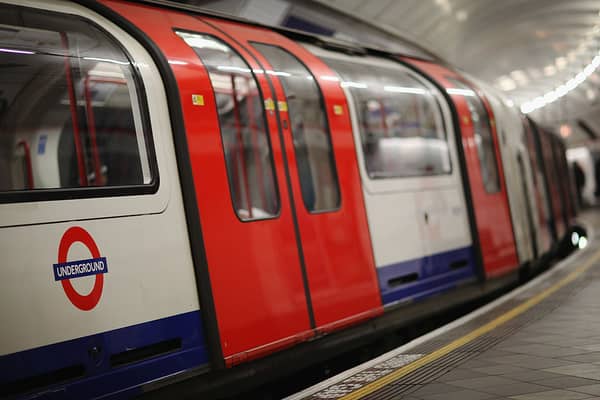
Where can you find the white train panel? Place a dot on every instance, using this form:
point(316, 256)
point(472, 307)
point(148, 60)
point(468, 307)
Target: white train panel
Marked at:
point(411, 178)
point(150, 272)
point(517, 174)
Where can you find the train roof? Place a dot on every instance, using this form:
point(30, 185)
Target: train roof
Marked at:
point(407, 47)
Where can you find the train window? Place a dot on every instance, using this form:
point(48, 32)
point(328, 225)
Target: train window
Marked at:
point(242, 120)
point(311, 137)
point(400, 121)
point(483, 136)
point(70, 112)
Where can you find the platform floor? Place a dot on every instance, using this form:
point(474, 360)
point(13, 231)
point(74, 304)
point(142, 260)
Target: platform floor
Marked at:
point(541, 341)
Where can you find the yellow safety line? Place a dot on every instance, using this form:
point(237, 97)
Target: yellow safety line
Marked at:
point(507, 316)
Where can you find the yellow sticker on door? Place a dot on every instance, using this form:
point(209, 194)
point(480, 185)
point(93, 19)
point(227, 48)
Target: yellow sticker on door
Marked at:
point(269, 104)
point(197, 100)
point(282, 106)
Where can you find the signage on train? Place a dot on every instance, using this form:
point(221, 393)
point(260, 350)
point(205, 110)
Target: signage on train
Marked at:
point(65, 270)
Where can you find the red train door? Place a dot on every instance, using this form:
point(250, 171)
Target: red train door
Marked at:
point(486, 177)
point(317, 137)
point(238, 180)
point(269, 262)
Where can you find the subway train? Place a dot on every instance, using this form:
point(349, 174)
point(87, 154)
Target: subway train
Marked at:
point(188, 199)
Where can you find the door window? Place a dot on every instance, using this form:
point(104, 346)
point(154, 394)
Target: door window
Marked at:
point(310, 133)
point(246, 143)
point(483, 136)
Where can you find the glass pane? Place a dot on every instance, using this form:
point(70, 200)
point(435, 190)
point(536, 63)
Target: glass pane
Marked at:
point(400, 122)
point(312, 143)
point(483, 136)
point(242, 120)
point(69, 108)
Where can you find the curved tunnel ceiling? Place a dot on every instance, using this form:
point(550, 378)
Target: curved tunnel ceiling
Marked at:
point(543, 54)
point(535, 51)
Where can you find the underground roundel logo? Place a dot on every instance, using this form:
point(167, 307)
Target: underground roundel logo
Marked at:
point(66, 270)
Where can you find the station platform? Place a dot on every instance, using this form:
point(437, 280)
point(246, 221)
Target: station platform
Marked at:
point(540, 341)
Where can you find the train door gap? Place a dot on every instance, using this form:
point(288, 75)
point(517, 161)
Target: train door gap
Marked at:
point(288, 183)
point(293, 205)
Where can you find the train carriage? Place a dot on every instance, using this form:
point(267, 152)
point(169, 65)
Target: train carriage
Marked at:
point(182, 195)
point(410, 175)
point(518, 176)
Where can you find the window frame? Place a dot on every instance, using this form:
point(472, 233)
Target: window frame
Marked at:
point(277, 190)
point(397, 185)
point(327, 125)
point(54, 194)
point(440, 117)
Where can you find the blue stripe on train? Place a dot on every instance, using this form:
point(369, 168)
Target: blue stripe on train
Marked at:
point(99, 378)
point(435, 273)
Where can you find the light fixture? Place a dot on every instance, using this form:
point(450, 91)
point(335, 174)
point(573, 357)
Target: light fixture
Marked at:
point(565, 131)
point(562, 90)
